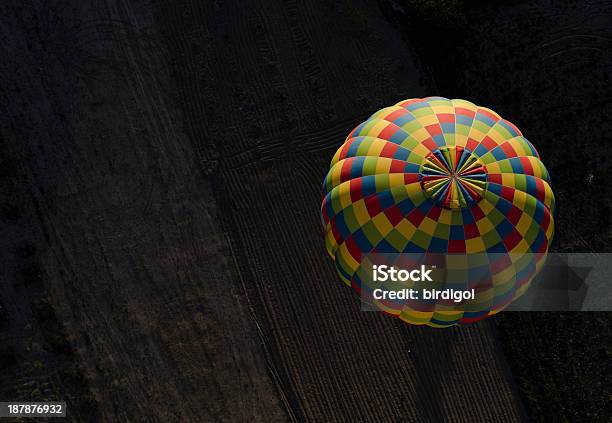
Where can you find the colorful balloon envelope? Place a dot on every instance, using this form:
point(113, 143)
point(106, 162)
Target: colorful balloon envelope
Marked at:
point(439, 176)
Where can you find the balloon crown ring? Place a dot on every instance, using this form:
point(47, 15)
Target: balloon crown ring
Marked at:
point(453, 177)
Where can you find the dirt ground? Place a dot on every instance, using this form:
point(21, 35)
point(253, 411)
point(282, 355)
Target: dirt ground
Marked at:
point(162, 257)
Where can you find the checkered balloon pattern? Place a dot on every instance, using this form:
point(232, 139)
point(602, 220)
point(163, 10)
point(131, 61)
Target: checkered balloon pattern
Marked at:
point(443, 176)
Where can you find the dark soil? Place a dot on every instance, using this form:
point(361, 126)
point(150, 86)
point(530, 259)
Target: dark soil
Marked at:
point(161, 256)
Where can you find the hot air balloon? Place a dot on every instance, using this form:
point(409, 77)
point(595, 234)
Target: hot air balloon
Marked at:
point(441, 176)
